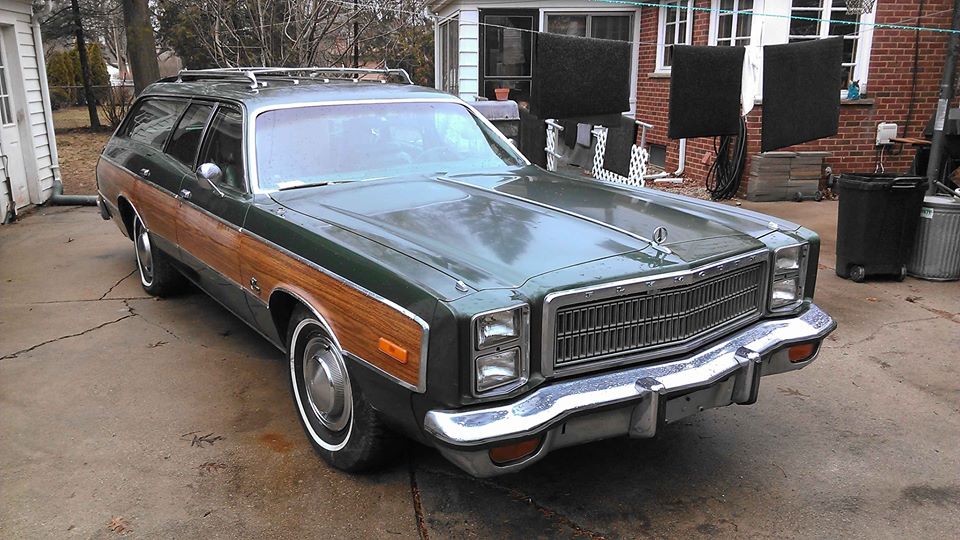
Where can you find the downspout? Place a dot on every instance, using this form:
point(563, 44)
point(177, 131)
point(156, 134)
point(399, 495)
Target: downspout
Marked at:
point(943, 105)
point(57, 198)
point(680, 167)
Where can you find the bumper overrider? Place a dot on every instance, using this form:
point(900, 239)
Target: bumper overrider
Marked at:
point(632, 401)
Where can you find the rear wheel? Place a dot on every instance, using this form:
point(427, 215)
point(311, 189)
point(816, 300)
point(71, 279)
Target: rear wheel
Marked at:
point(339, 422)
point(157, 273)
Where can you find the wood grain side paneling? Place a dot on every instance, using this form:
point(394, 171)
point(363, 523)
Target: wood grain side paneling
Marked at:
point(157, 208)
point(210, 240)
point(358, 320)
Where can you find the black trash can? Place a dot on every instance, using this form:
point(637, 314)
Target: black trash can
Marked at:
point(877, 224)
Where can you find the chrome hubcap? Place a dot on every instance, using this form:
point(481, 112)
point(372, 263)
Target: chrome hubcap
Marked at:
point(144, 255)
point(325, 381)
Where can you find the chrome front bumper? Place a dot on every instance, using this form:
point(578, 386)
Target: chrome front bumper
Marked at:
point(631, 401)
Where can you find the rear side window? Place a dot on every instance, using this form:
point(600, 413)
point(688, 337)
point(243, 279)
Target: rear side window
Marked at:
point(186, 137)
point(153, 120)
point(224, 146)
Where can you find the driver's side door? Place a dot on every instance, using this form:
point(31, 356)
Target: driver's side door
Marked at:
point(212, 213)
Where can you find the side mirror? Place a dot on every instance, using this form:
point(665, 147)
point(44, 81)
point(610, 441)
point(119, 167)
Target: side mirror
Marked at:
point(212, 174)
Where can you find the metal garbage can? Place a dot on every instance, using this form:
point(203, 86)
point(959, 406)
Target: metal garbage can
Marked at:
point(936, 251)
point(877, 223)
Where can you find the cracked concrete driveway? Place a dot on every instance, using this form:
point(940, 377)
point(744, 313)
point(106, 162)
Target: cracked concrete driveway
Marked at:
point(124, 414)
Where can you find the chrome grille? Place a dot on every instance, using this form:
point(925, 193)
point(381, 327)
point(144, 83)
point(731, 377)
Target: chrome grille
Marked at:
point(589, 332)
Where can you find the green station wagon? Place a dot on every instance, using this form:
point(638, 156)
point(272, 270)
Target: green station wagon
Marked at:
point(425, 280)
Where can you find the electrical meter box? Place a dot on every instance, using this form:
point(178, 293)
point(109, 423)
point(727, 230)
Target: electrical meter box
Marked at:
point(885, 132)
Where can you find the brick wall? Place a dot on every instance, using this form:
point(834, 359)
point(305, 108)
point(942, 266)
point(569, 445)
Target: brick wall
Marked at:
point(888, 98)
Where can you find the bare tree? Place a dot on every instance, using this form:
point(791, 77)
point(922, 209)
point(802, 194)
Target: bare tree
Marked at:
point(141, 43)
point(84, 65)
point(290, 33)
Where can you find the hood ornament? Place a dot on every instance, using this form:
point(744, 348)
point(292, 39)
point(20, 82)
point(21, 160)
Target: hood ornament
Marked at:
point(660, 235)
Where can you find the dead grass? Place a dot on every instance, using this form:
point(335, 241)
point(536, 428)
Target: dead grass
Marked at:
point(69, 118)
point(79, 149)
point(79, 152)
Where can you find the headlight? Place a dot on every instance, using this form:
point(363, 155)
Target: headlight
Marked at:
point(788, 258)
point(789, 266)
point(498, 327)
point(498, 369)
point(500, 356)
point(785, 292)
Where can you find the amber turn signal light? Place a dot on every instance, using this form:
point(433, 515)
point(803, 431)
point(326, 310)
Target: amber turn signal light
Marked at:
point(392, 350)
point(502, 455)
point(802, 352)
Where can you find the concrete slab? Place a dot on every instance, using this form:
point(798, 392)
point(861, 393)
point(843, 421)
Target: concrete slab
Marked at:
point(172, 418)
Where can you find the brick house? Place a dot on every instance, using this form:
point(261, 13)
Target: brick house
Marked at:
point(881, 59)
point(898, 70)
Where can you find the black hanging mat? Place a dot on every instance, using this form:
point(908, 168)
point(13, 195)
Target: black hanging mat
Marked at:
point(574, 76)
point(533, 138)
point(801, 94)
point(705, 91)
point(620, 141)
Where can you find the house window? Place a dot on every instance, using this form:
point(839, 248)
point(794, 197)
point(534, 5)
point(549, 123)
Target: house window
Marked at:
point(450, 56)
point(6, 117)
point(507, 50)
point(676, 28)
point(815, 24)
point(600, 26)
point(732, 22)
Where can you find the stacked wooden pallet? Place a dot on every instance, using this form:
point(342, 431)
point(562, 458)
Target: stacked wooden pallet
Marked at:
point(781, 176)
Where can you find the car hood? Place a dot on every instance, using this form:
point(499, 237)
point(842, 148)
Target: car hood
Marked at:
point(500, 230)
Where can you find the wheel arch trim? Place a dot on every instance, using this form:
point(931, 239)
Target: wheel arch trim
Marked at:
point(301, 297)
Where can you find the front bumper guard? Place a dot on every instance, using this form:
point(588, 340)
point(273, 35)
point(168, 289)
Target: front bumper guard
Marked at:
point(726, 373)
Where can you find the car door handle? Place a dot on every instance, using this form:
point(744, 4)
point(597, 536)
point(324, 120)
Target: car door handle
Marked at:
point(185, 194)
point(145, 173)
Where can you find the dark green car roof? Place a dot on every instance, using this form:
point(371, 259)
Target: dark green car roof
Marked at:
point(284, 91)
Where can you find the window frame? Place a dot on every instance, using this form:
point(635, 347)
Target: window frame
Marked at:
point(661, 32)
point(123, 131)
point(8, 115)
point(442, 48)
point(589, 22)
point(535, 16)
point(205, 141)
point(203, 134)
point(861, 60)
point(714, 33)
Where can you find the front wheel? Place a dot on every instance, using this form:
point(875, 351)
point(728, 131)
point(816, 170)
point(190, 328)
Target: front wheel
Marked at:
point(340, 424)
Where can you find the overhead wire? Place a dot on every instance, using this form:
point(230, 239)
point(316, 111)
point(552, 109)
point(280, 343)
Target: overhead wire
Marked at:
point(866, 26)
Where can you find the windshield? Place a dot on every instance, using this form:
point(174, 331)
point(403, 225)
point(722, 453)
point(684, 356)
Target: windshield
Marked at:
point(331, 143)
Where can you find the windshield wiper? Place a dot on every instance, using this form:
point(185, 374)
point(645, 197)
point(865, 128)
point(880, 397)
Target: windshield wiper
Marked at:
point(287, 186)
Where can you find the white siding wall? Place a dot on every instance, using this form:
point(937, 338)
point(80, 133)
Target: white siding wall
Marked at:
point(25, 69)
point(469, 54)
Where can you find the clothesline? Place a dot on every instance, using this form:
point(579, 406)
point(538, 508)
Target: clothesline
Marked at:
point(865, 26)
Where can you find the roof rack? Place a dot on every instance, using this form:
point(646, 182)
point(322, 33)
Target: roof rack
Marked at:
point(254, 75)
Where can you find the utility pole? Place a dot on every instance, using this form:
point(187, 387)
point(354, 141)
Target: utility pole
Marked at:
point(356, 35)
point(84, 66)
point(943, 106)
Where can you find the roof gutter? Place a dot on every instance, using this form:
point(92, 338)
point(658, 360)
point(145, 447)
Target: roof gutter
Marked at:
point(57, 198)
